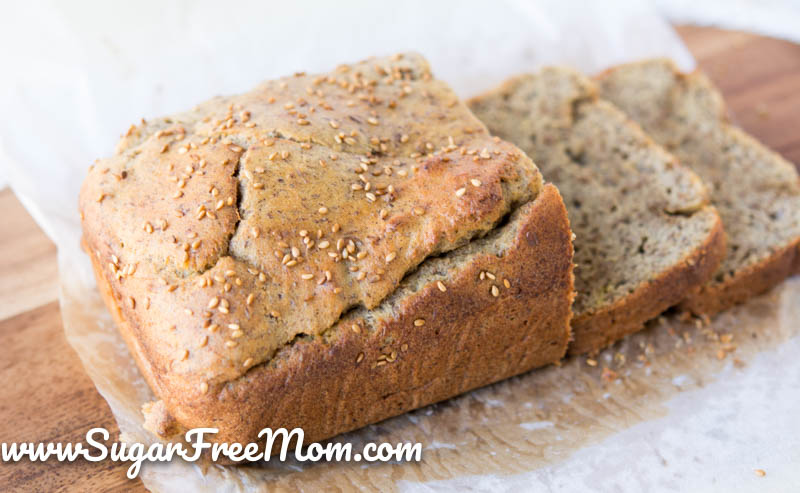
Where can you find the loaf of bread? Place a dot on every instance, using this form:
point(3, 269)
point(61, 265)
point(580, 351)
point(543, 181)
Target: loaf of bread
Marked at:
point(326, 251)
point(645, 232)
point(755, 190)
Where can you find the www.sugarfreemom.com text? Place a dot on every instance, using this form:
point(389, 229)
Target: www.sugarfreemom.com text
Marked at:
point(196, 444)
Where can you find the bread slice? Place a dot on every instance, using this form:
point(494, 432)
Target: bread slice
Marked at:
point(316, 252)
point(756, 191)
point(645, 232)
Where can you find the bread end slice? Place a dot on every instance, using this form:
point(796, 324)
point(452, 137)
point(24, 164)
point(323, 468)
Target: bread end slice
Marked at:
point(645, 232)
point(756, 191)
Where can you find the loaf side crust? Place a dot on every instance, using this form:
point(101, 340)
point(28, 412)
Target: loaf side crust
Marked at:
point(390, 364)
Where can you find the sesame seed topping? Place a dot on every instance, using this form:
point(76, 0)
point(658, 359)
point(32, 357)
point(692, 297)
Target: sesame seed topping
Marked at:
point(391, 257)
point(506, 283)
point(203, 387)
point(441, 286)
point(323, 210)
point(495, 291)
point(419, 322)
point(461, 191)
point(475, 182)
point(248, 362)
point(213, 303)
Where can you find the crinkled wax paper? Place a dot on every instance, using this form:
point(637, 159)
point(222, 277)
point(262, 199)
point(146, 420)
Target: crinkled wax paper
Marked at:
point(688, 411)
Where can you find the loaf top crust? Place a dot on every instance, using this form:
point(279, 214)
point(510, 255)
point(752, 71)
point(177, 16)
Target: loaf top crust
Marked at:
point(235, 228)
point(756, 191)
point(636, 212)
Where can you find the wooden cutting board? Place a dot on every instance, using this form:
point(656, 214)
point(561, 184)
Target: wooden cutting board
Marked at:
point(45, 396)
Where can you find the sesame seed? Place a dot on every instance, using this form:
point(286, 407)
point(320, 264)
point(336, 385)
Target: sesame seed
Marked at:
point(233, 326)
point(475, 182)
point(760, 473)
point(490, 276)
point(360, 358)
point(418, 211)
point(203, 341)
point(324, 244)
point(495, 291)
point(591, 362)
point(231, 344)
point(213, 328)
point(247, 362)
point(204, 387)
point(461, 191)
point(419, 322)
point(506, 283)
point(213, 303)
point(391, 257)
point(307, 276)
point(441, 286)
point(323, 210)
point(237, 334)
point(371, 197)
point(250, 298)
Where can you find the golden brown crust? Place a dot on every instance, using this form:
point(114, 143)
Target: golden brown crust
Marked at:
point(753, 280)
point(224, 235)
point(594, 331)
point(347, 379)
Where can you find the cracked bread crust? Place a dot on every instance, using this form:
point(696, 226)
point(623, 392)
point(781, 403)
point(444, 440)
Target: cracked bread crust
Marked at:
point(420, 346)
point(645, 232)
point(227, 235)
point(755, 190)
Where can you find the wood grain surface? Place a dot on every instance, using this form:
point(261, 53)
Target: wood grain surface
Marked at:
point(45, 396)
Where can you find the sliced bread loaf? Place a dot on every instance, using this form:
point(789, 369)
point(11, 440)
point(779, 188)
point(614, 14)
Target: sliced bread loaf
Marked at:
point(755, 190)
point(645, 232)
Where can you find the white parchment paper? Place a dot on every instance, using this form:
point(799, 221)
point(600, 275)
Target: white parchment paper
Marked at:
point(678, 417)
